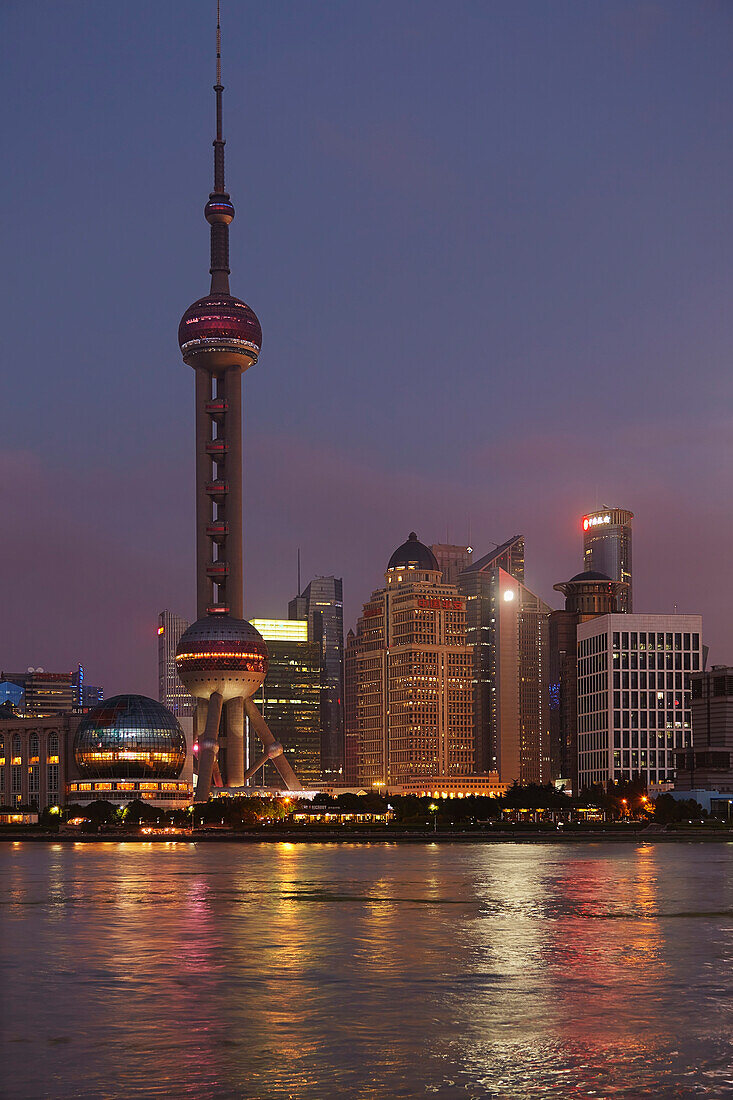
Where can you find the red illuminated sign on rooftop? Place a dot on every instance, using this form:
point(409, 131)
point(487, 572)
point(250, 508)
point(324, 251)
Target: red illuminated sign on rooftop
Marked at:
point(436, 604)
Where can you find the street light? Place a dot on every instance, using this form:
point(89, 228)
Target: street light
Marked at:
point(434, 811)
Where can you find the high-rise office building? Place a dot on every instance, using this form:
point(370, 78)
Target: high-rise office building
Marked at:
point(85, 695)
point(634, 695)
point(607, 548)
point(587, 596)
point(321, 605)
point(452, 559)
point(44, 693)
point(409, 698)
point(171, 692)
point(221, 658)
point(708, 764)
point(290, 698)
point(533, 616)
point(507, 628)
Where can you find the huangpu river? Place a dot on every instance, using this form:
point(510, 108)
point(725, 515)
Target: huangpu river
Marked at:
point(321, 971)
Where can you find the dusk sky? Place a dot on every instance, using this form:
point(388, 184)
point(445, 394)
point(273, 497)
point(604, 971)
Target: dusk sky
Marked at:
point(491, 248)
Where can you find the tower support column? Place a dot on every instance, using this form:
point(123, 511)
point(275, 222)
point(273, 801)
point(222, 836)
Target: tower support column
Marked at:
point(234, 723)
point(208, 746)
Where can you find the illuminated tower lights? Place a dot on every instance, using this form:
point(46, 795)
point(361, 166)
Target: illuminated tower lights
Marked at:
point(222, 659)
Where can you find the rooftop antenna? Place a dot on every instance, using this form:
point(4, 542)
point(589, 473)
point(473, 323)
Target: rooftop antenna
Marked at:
point(298, 570)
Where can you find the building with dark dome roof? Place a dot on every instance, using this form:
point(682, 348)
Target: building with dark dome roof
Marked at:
point(587, 595)
point(591, 593)
point(409, 693)
point(415, 555)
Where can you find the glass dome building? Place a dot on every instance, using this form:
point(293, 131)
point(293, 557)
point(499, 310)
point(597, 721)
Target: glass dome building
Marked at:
point(129, 747)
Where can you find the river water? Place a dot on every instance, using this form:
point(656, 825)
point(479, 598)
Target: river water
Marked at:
point(315, 971)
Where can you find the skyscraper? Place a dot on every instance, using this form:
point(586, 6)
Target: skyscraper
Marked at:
point(708, 764)
point(506, 627)
point(634, 695)
point(221, 659)
point(409, 699)
point(290, 698)
point(321, 604)
point(607, 548)
point(452, 559)
point(171, 691)
point(587, 596)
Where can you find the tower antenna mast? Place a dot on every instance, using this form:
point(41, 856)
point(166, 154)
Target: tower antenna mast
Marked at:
point(218, 41)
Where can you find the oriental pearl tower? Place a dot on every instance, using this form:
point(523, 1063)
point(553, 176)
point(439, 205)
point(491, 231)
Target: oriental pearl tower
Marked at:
point(222, 659)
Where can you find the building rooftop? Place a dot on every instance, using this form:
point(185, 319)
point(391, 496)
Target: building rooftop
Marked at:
point(413, 554)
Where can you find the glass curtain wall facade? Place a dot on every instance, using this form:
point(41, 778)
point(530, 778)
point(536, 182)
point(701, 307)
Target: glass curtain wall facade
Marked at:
point(289, 701)
point(607, 549)
point(171, 692)
point(507, 627)
point(708, 765)
point(321, 605)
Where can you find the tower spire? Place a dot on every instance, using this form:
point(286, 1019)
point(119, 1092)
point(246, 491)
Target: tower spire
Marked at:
point(218, 41)
point(219, 210)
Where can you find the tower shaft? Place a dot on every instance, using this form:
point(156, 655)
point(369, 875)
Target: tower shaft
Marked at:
point(219, 582)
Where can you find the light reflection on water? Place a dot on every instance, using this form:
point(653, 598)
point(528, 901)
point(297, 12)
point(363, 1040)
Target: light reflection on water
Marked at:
point(314, 971)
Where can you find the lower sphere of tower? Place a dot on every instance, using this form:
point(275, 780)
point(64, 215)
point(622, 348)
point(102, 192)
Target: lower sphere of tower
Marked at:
point(221, 654)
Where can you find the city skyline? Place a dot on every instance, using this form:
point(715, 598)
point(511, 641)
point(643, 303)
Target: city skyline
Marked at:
point(102, 467)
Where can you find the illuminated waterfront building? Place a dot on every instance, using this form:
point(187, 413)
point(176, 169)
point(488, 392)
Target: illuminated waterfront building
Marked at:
point(130, 748)
point(33, 760)
point(409, 696)
point(321, 605)
point(171, 692)
point(607, 548)
point(222, 659)
point(507, 629)
point(587, 596)
point(290, 698)
point(634, 695)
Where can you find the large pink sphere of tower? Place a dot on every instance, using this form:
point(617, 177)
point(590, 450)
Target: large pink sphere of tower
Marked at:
point(220, 331)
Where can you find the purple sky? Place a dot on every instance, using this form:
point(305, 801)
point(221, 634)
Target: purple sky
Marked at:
point(491, 249)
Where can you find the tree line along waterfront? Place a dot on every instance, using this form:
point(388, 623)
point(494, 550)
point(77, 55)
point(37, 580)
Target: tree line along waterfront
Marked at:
point(541, 809)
